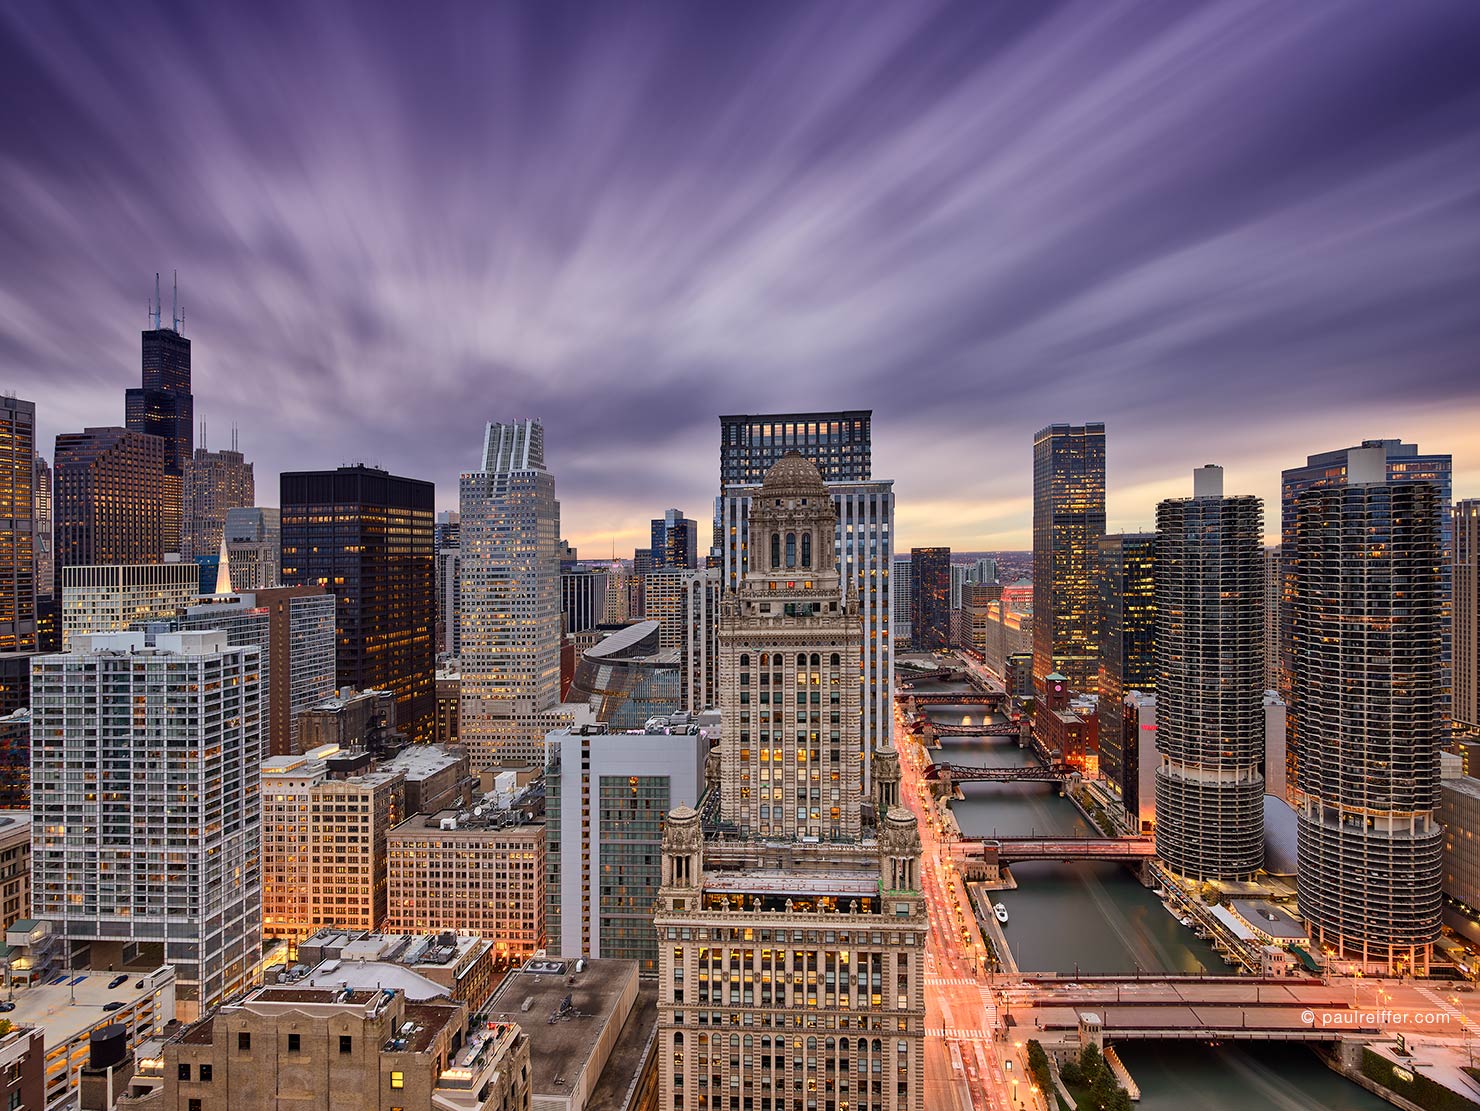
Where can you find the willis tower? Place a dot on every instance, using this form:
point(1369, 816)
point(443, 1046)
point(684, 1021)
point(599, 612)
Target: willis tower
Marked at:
point(164, 407)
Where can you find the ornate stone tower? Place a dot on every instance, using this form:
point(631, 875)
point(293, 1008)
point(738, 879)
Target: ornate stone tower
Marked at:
point(683, 859)
point(790, 644)
point(886, 782)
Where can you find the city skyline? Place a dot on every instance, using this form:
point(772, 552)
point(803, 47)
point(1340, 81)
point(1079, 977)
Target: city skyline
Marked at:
point(845, 212)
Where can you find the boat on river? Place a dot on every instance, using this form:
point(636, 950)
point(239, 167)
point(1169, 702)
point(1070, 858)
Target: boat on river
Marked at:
point(1001, 912)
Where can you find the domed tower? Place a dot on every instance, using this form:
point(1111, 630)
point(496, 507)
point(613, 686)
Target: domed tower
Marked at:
point(899, 851)
point(790, 654)
point(886, 781)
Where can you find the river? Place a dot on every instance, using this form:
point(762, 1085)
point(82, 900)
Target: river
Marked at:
point(1096, 918)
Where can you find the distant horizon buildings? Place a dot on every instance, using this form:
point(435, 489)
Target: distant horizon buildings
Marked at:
point(366, 535)
point(1209, 575)
point(1364, 720)
point(1068, 521)
point(675, 542)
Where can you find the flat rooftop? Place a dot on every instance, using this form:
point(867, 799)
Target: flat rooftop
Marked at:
point(559, 1050)
point(1270, 919)
point(74, 1006)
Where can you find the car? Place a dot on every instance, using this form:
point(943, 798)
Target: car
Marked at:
point(6, 1005)
point(113, 983)
point(112, 1006)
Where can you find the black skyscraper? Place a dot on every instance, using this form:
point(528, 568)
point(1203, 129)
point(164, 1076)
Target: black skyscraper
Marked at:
point(163, 406)
point(367, 536)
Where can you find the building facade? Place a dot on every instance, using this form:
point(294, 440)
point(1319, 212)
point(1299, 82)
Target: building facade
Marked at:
point(1126, 592)
point(510, 599)
point(583, 597)
point(44, 539)
point(254, 546)
point(839, 444)
point(1068, 521)
point(366, 536)
point(930, 599)
point(324, 848)
point(675, 540)
point(163, 407)
point(901, 598)
point(1466, 578)
point(18, 525)
point(176, 733)
point(108, 497)
point(863, 551)
point(603, 873)
point(481, 874)
point(1405, 463)
point(216, 482)
point(112, 597)
point(1210, 681)
point(1364, 716)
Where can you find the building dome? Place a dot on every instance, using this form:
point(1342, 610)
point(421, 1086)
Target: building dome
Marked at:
point(793, 475)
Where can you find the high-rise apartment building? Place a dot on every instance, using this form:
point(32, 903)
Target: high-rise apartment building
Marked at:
point(254, 546)
point(1274, 591)
point(470, 872)
point(810, 912)
point(864, 553)
point(324, 848)
point(113, 597)
point(367, 536)
point(686, 606)
point(901, 599)
point(1068, 521)
point(1126, 596)
point(1405, 463)
point(163, 406)
point(1364, 718)
point(446, 535)
point(42, 516)
point(108, 498)
point(18, 554)
point(1210, 681)
point(510, 599)
point(930, 598)
point(675, 541)
point(603, 871)
point(161, 850)
point(1466, 578)
point(216, 482)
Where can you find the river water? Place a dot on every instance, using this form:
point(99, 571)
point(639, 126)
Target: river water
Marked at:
point(1097, 918)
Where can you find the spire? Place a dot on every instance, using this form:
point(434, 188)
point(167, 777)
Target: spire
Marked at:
point(155, 305)
point(223, 570)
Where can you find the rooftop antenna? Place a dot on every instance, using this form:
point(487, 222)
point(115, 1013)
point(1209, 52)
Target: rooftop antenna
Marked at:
point(204, 446)
point(154, 309)
point(175, 303)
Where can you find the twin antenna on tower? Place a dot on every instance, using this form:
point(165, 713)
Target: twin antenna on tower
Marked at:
point(203, 446)
point(177, 311)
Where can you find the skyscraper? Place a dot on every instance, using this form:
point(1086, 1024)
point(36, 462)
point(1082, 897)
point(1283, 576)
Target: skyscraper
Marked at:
point(583, 598)
point(162, 851)
point(216, 482)
point(863, 545)
point(839, 444)
point(42, 516)
point(1210, 681)
point(1364, 715)
point(930, 598)
point(163, 406)
point(447, 533)
point(783, 921)
point(675, 541)
point(17, 525)
point(109, 498)
point(510, 599)
point(901, 598)
point(1274, 591)
point(1126, 594)
point(1068, 521)
point(1405, 464)
point(254, 546)
point(1466, 573)
point(367, 536)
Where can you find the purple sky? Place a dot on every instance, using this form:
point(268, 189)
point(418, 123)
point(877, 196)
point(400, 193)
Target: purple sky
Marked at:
point(1236, 232)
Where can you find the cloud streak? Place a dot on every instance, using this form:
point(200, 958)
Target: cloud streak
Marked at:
point(1233, 231)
